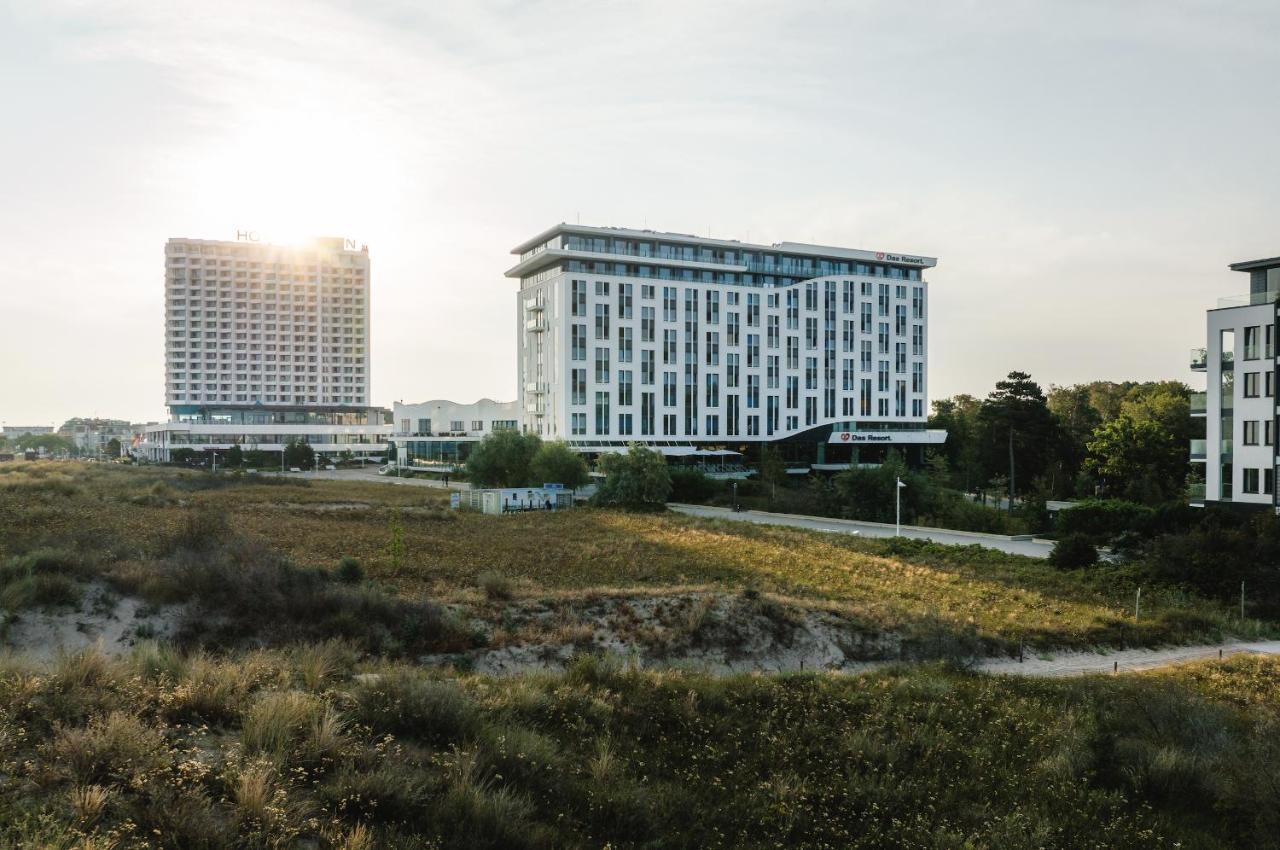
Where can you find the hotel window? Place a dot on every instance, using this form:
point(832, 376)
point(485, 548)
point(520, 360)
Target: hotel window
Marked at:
point(713, 307)
point(457, 425)
point(882, 338)
point(477, 425)
point(646, 324)
point(602, 413)
point(810, 411)
point(624, 387)
point(882, 384)
point(646, 291)
point(602, 321)
point(917, 302)
point(579, 386)
point(731, 332)
point(846, 336)
point(1270, 383)
point(917, 340)
point(713, 390)
point(669, 346)
point(624, 424)
point(793, 310)
point(624, 345)
point(624, 301)
point(753, 391)
point(602, 290)
point(1250, 483)
point(753, 309)
point(646, 414)
point(900, 357)
point(578, 298)
point(1250, 384)
point(579, 342)
point(668, 389)
point(578, 423)
point(731, 369)
point(1269, 432)
point(753, 350)
point(424, 427)
point(810, 332)
point(1268, 481)
point(917, 377)
point(882, 300)
point(865, 364)
point(772, 338)
point(646, 367)
point(793, 392)
point(668, 424)
point(602, 365)
point(811, 373)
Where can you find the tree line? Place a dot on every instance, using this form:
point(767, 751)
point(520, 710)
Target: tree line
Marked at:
point(1123, 440)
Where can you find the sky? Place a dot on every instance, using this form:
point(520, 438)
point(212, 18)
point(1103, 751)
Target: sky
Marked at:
point(1083, 171)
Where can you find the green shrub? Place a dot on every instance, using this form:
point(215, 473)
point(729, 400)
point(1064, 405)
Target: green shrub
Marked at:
point(494, 584)
point(692, 485)
point(412, 706)
point(1103, 519)
point(1074, 551)
point(349, 571)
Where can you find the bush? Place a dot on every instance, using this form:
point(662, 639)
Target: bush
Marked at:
point(1074, 551)
point(635, 481)
point(692, 485)
point(494, 584)
point(1103, 519)
point(408, 705)
point(349, 571)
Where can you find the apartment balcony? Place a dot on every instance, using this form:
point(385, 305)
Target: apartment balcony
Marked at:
point(535, 388)
point(1199, 450)
point(533, 305)
point(535, 326)
point(1199, 404)
point(536, 408)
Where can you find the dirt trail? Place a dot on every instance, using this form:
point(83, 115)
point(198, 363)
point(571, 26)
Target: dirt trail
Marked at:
point(1123, 661)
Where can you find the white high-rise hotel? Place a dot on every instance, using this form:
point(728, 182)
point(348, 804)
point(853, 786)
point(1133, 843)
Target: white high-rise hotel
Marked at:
point(637, 335)
point(266, 343)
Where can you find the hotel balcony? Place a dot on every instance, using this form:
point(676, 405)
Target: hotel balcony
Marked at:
point(1199, 448)
point(1199, 404)
point(535, 325)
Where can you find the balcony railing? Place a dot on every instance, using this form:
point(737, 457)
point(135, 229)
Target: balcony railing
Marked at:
point(1253, 299)
point(1199, 359)
point(1199, 404)
point(1195, 491)
point(1199, 448)
point(1225, 448)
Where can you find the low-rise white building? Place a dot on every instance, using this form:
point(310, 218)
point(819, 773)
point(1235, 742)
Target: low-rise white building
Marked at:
point(439, 434)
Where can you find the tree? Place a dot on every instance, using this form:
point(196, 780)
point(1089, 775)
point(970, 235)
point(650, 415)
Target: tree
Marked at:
point(872, 494)
point(637, 480)
point(958, 416)
point(113, 448)
point(1019, 435)
point(1139, 459)
point(773, 470)
point(234, 456)
point(182, 457)
point(555, 462)
point(298, 453)
point(52, 444)
point(502, 459)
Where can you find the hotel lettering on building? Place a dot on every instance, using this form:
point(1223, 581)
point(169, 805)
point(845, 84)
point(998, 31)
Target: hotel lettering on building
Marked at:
point(675, 341)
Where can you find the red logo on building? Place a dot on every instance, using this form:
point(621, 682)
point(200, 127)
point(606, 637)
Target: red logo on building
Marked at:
point(879, 255)
point(845, 436)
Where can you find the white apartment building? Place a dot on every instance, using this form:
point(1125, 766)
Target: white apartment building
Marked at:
point(1239, 403)
point(677, 341)
point(267, 343)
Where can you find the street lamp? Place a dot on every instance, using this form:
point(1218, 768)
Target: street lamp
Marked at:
point(897, 498)
point(215, 463)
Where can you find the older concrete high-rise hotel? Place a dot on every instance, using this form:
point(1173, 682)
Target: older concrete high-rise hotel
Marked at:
point(267, 343)
point(684, 342)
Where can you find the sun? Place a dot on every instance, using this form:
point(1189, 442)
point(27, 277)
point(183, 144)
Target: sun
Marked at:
point(294, 175)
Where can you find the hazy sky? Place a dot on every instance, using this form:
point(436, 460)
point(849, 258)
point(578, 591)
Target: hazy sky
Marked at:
point(1084, 171)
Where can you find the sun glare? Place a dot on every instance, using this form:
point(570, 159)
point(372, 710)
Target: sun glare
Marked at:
point(289, 177)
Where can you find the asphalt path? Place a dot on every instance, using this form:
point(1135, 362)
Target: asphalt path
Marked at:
point(1012, 545)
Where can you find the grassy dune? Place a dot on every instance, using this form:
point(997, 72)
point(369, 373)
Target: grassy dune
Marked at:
point(308, 749)
point(408, 542)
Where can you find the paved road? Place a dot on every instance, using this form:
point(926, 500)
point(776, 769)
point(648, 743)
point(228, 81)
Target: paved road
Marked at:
point(1034, 548)
point(1122, 661)
point(371, 474)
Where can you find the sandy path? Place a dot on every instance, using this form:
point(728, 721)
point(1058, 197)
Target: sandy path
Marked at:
point(1123, 661)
